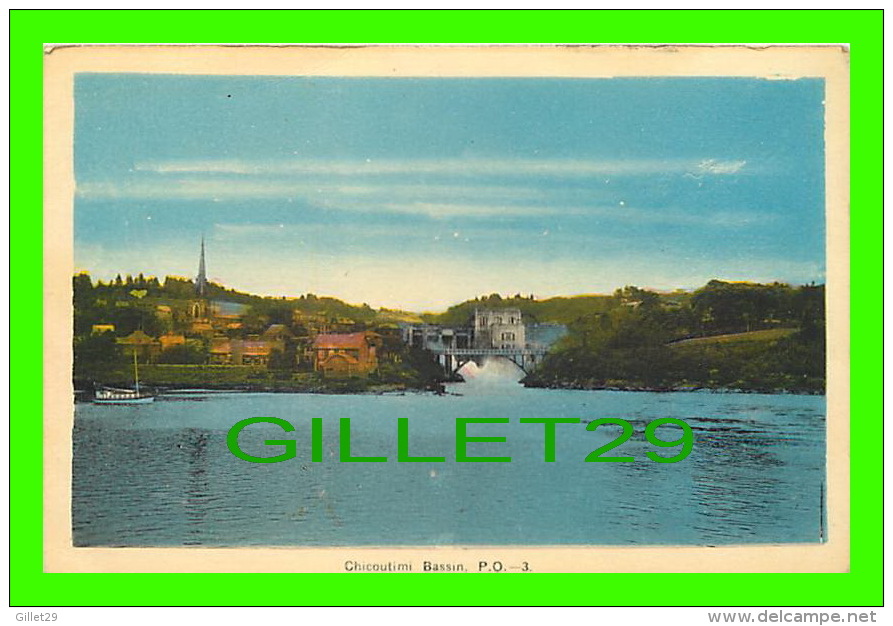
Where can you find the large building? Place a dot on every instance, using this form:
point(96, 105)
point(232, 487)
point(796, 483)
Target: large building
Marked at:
point(488, 329)
point(488, 333)
point(499, 328)
point(433, 337)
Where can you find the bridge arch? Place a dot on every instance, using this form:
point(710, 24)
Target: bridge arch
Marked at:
point(526, 359)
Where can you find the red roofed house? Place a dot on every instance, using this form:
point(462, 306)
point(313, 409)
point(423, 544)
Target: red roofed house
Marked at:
point(346, 353)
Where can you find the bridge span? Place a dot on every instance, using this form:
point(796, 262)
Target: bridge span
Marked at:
point(452, 359)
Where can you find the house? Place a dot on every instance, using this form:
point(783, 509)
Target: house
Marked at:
point(221, 351)
point(313, 323)
point(278, 335)
point(201, 327)
point(346, 353)
point(170, 340)
point(98, 329)
point(227, 311)
point(251, 351)
point(146, 348)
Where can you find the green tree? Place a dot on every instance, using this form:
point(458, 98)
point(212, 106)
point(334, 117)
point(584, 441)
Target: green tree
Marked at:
point(98, 358)
point(187, 354)
point(282, 360)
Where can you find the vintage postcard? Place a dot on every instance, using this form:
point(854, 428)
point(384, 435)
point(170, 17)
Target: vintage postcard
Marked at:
point(446, 309)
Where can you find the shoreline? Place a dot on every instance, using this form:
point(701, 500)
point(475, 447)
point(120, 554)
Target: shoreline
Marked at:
point(576, 386)
point(346, 387)
point(359, 387)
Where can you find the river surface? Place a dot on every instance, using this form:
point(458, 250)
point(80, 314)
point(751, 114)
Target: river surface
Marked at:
point(161, 474)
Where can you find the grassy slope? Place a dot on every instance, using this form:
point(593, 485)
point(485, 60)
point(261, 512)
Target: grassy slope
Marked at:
point(754, 335)
point(764, 360)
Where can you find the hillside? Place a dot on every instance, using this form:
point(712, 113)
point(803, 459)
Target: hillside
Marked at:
point(767, 360)
point(748, 336)
point(559, 310)
point(743, 336)
point(133, 302)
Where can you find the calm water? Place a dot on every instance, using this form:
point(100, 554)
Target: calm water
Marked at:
point(161, 474)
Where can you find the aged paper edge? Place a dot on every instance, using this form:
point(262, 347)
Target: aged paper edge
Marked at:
point(781, 63)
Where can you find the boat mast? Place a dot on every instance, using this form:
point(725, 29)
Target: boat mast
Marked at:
point(136, 376)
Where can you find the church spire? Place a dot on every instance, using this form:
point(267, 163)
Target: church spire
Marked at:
point(201, 281)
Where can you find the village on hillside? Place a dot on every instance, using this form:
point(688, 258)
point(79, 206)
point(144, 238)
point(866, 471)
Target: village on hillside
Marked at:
point(182, 330)
point(195, 333)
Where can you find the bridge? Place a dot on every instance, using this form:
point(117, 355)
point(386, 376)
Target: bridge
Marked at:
point(452, 359)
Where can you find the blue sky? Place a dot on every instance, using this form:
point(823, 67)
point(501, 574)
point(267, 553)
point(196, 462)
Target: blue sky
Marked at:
point(420, 193)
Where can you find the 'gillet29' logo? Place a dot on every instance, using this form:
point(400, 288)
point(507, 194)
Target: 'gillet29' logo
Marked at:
point(290, 448)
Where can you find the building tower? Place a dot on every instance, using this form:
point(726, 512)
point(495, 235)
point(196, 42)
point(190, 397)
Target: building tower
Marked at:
point(499, 328)
point(199, 307)
point(201, 281)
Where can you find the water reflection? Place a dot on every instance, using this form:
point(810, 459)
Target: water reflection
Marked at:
point(162, 474)
point(198, 492)
point(742, 478)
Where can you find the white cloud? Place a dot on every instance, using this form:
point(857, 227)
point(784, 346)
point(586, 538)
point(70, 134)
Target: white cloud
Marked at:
point(441, 210)
point(465, 191)
point(712, 166)
point(452, 187)
point(452, 166)
point(196, 188)
point(433, 201)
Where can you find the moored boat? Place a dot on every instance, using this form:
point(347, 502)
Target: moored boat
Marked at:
point(111, 395)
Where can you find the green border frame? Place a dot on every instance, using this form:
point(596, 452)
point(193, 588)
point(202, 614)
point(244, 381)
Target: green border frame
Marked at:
point(861, 29)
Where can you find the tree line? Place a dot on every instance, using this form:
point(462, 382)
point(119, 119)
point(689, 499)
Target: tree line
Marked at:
point(749, 336)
